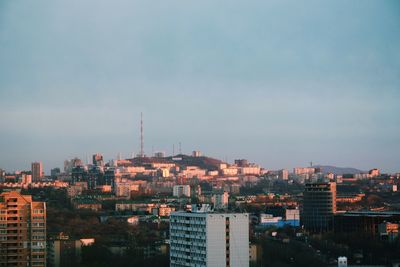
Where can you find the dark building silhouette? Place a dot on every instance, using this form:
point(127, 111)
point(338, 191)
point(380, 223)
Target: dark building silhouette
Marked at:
point(319, 206)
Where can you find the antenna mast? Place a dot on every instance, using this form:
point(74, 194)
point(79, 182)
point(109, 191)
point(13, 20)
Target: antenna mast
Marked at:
point(141, 136)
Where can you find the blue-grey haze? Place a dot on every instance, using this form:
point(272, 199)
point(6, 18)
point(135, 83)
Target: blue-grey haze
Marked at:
point(280, 83)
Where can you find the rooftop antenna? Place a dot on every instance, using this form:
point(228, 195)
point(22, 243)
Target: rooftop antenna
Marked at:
point(141, 136)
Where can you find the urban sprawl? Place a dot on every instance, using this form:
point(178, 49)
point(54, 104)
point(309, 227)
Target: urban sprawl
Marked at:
point(194, 210)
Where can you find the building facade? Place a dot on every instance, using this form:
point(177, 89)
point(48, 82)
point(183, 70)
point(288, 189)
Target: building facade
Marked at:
point(37, 171)
point(319, 206)
point(22, 230)
point(209, 239)
point(221, 200)
point(181, 191)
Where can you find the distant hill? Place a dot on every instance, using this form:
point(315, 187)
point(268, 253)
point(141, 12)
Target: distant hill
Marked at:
point(202, 162)
point(338, 170)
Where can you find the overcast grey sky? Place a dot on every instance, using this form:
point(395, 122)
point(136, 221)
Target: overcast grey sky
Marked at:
point(280, 83)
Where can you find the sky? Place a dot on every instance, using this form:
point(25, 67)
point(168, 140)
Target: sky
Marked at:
point(280, 83)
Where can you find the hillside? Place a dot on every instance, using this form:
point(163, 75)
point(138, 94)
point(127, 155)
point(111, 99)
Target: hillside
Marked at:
point(338, 170)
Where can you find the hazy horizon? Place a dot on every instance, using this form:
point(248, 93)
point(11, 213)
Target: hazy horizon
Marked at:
point(280, 83)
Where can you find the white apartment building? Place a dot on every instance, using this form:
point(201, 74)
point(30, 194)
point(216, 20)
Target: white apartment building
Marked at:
point(207, 239)
point(192, 171)
point(250, 170)
point(181, 191)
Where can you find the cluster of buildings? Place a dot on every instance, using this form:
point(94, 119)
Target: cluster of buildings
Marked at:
point(199, 197)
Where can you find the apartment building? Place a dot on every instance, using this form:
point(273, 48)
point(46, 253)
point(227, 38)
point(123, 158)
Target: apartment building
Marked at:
point(207, 239)
point(22, 230)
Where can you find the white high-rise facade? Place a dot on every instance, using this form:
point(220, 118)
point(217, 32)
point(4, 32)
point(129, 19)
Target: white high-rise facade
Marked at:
point(206, 239)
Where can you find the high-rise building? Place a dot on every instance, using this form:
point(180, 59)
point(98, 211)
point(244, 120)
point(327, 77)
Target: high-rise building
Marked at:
point(2, 175)
point(242, 162)
point(37, 171)
point(26, 178)
point(22, 230)
point(181, 191)
point(70, 164)
point(209, 239)
point(319, 206)
point(55, 172)
point(98, 159)
point(283, 174)
point(221, 200)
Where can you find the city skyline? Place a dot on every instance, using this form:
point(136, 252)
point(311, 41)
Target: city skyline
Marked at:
point(231, 80)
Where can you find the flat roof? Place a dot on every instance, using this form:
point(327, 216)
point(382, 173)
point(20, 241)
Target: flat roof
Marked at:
point(369, 213)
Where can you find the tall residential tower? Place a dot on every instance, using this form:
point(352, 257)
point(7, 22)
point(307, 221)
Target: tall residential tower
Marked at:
point(209, 239)
point(22, 230)
point(37, 171)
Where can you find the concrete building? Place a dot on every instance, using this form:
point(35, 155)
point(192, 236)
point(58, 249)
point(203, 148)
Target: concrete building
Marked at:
point(26, 178)
point(64, 251)
point(181, 191)
point(2, 175)
point(241, 162)
point(54, 173)
point(270, 220)
point(319, 206)
point(159, 154)
point(209, 239)
point(97, 159)
point(124, 188)
point(342, 262)
point(365, 222)
point(229, 171)
point(221, 201)
point(196, 153)
point(283, 174)
point(37, 171)
point(250, 170)
point(304, 170)
point(374, 172)
point(22, 230)
point(70, 164)
point(193, 171)
point(388, 231)
point(292, 217)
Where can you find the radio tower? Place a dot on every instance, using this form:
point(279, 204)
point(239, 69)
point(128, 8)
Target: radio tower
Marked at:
point(141, 136)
